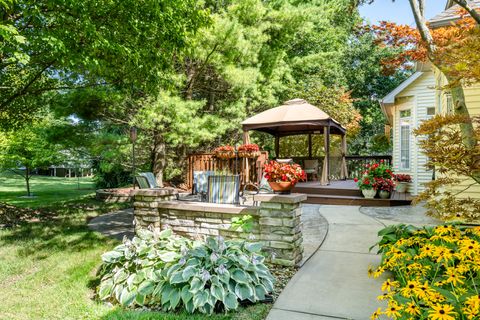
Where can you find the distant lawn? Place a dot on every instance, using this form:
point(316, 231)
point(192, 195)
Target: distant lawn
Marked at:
point(47, 190)
point(47, 268)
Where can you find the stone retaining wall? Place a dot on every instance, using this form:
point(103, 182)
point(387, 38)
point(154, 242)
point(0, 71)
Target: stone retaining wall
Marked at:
point(276, 222)
point(112, 196)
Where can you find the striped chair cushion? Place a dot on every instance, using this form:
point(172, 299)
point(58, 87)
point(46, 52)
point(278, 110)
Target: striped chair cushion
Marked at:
point(142, 182)
point(152, 181)
point(223, 189)
point(200, 181)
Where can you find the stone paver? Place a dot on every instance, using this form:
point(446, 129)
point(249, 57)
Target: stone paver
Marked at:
point(116, 224)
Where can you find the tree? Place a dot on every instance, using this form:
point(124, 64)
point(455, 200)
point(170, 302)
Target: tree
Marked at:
point(442, 142)
point(27, 149)
point(58, 46)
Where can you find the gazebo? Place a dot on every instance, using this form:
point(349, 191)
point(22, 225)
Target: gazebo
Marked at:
point(296, 117)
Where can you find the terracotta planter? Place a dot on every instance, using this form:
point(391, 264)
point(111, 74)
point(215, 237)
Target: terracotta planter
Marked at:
point(402, 187)
point(281, 187)
point(225, 155)
point(249, 154)
point(369, 193)
point(384, 194)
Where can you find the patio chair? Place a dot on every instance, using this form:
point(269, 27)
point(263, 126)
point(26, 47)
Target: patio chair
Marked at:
point(152, 181)
point(200, 183)
point(142, 182)
point(224, 189)
point(311, 167)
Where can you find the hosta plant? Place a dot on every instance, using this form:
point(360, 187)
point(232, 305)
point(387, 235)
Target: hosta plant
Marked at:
point(214, 275)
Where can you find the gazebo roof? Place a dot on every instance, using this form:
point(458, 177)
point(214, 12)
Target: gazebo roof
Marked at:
point(295, 116)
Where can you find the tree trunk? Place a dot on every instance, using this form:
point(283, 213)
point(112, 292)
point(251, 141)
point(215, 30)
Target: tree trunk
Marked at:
point(158, 157)
point(460, 107)
point(27, 180)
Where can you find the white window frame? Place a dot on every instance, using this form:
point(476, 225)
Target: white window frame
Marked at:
point(405, 123)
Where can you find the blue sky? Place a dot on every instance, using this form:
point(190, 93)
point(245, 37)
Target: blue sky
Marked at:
point(398, 11)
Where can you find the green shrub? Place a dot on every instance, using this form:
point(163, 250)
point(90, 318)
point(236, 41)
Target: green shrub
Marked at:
point(161, 271)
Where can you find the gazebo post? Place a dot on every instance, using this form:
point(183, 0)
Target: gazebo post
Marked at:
point(328, 153)
point(277, 147)
point(310, 146)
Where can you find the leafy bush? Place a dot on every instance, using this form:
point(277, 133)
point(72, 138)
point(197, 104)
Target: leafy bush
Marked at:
point(436, 270)
point(160, 271)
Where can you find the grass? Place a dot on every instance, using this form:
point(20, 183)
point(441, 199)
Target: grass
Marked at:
point(47, 190)
point(47, 269)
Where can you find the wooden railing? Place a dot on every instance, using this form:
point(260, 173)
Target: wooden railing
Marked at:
point(356, 164)
point(250, 170)
point(208, 162)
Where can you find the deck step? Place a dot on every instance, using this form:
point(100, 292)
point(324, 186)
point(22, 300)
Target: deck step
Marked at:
point(355, 200)
point(328, 191)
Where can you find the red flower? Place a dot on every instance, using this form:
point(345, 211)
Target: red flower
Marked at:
point(356, 179)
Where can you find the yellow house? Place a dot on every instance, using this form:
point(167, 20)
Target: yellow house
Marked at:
point(417, 99)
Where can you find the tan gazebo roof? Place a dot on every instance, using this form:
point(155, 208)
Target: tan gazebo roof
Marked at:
point(295, 116)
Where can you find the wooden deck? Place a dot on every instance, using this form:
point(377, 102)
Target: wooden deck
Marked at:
point(347, 193)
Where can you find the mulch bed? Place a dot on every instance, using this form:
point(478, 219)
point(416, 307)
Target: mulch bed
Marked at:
point(282, 276)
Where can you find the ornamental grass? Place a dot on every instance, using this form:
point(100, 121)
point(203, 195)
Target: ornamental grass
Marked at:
point(436, 272)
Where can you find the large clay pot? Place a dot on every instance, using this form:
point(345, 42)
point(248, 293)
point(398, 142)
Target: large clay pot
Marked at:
point(369, 193)
point(402, 187)
point(281, 187)
point(384, 194)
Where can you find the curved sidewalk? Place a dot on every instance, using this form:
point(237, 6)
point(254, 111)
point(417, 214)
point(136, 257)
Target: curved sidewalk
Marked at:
point(333, 283)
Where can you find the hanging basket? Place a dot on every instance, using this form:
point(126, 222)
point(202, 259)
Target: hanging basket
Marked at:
point(249, 154)
point(225, 155)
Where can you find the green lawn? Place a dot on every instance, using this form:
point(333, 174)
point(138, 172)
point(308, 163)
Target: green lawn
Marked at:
point(47, 269)
point(47, 190)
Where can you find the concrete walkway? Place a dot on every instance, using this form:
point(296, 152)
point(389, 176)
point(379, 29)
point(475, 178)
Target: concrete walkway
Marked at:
point(116, 224)
point(334, 284)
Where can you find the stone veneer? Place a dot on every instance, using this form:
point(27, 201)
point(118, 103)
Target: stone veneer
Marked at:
point(276, 221)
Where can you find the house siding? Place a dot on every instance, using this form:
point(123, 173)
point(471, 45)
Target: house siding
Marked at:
point(419, 96)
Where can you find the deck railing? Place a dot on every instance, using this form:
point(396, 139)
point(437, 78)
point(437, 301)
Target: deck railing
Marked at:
point(250, 170)
point(208, 162)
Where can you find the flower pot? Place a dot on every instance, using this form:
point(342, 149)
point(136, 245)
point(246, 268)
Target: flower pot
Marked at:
point(369, 193)
point(281, 187)
point(225, 155)
point(249, 154)
point(384, 194)
point(402, 187)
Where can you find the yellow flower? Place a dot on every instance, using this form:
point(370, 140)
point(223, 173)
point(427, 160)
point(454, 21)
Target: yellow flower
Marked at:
point(473, 301)
point(410, 289)
point(387, 285)
point(469, 248)
point(424, 291)
point(376, 314)
point(442, 312)
point(412, 308)
point(453, 276)
point(470, 312)
point(393, 310)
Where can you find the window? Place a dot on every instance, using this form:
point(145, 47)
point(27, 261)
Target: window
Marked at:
point(405, 113)
point(405, 139)
point(431, 111)
point(449, 104)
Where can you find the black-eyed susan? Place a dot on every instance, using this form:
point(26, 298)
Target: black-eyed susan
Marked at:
point(393, 310)
point(389, 284)
point(442, 312)
point(376, 314)
point(410, 289)
point(412, 308)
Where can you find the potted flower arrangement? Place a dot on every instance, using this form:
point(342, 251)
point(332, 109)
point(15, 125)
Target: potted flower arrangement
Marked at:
point(402, 181)
point(282, 177)
point(367, 186)
point(384, 187)
point(375, 177)
point(225, 152)
point(249, 151)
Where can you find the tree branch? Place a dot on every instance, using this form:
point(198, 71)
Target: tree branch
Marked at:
point(465, 5)
point(422, 27)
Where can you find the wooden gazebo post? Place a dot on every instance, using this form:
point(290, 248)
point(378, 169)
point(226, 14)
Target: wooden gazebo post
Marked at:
point(277, 146)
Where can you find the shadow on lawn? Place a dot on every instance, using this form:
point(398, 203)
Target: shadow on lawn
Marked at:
point(40, 239)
